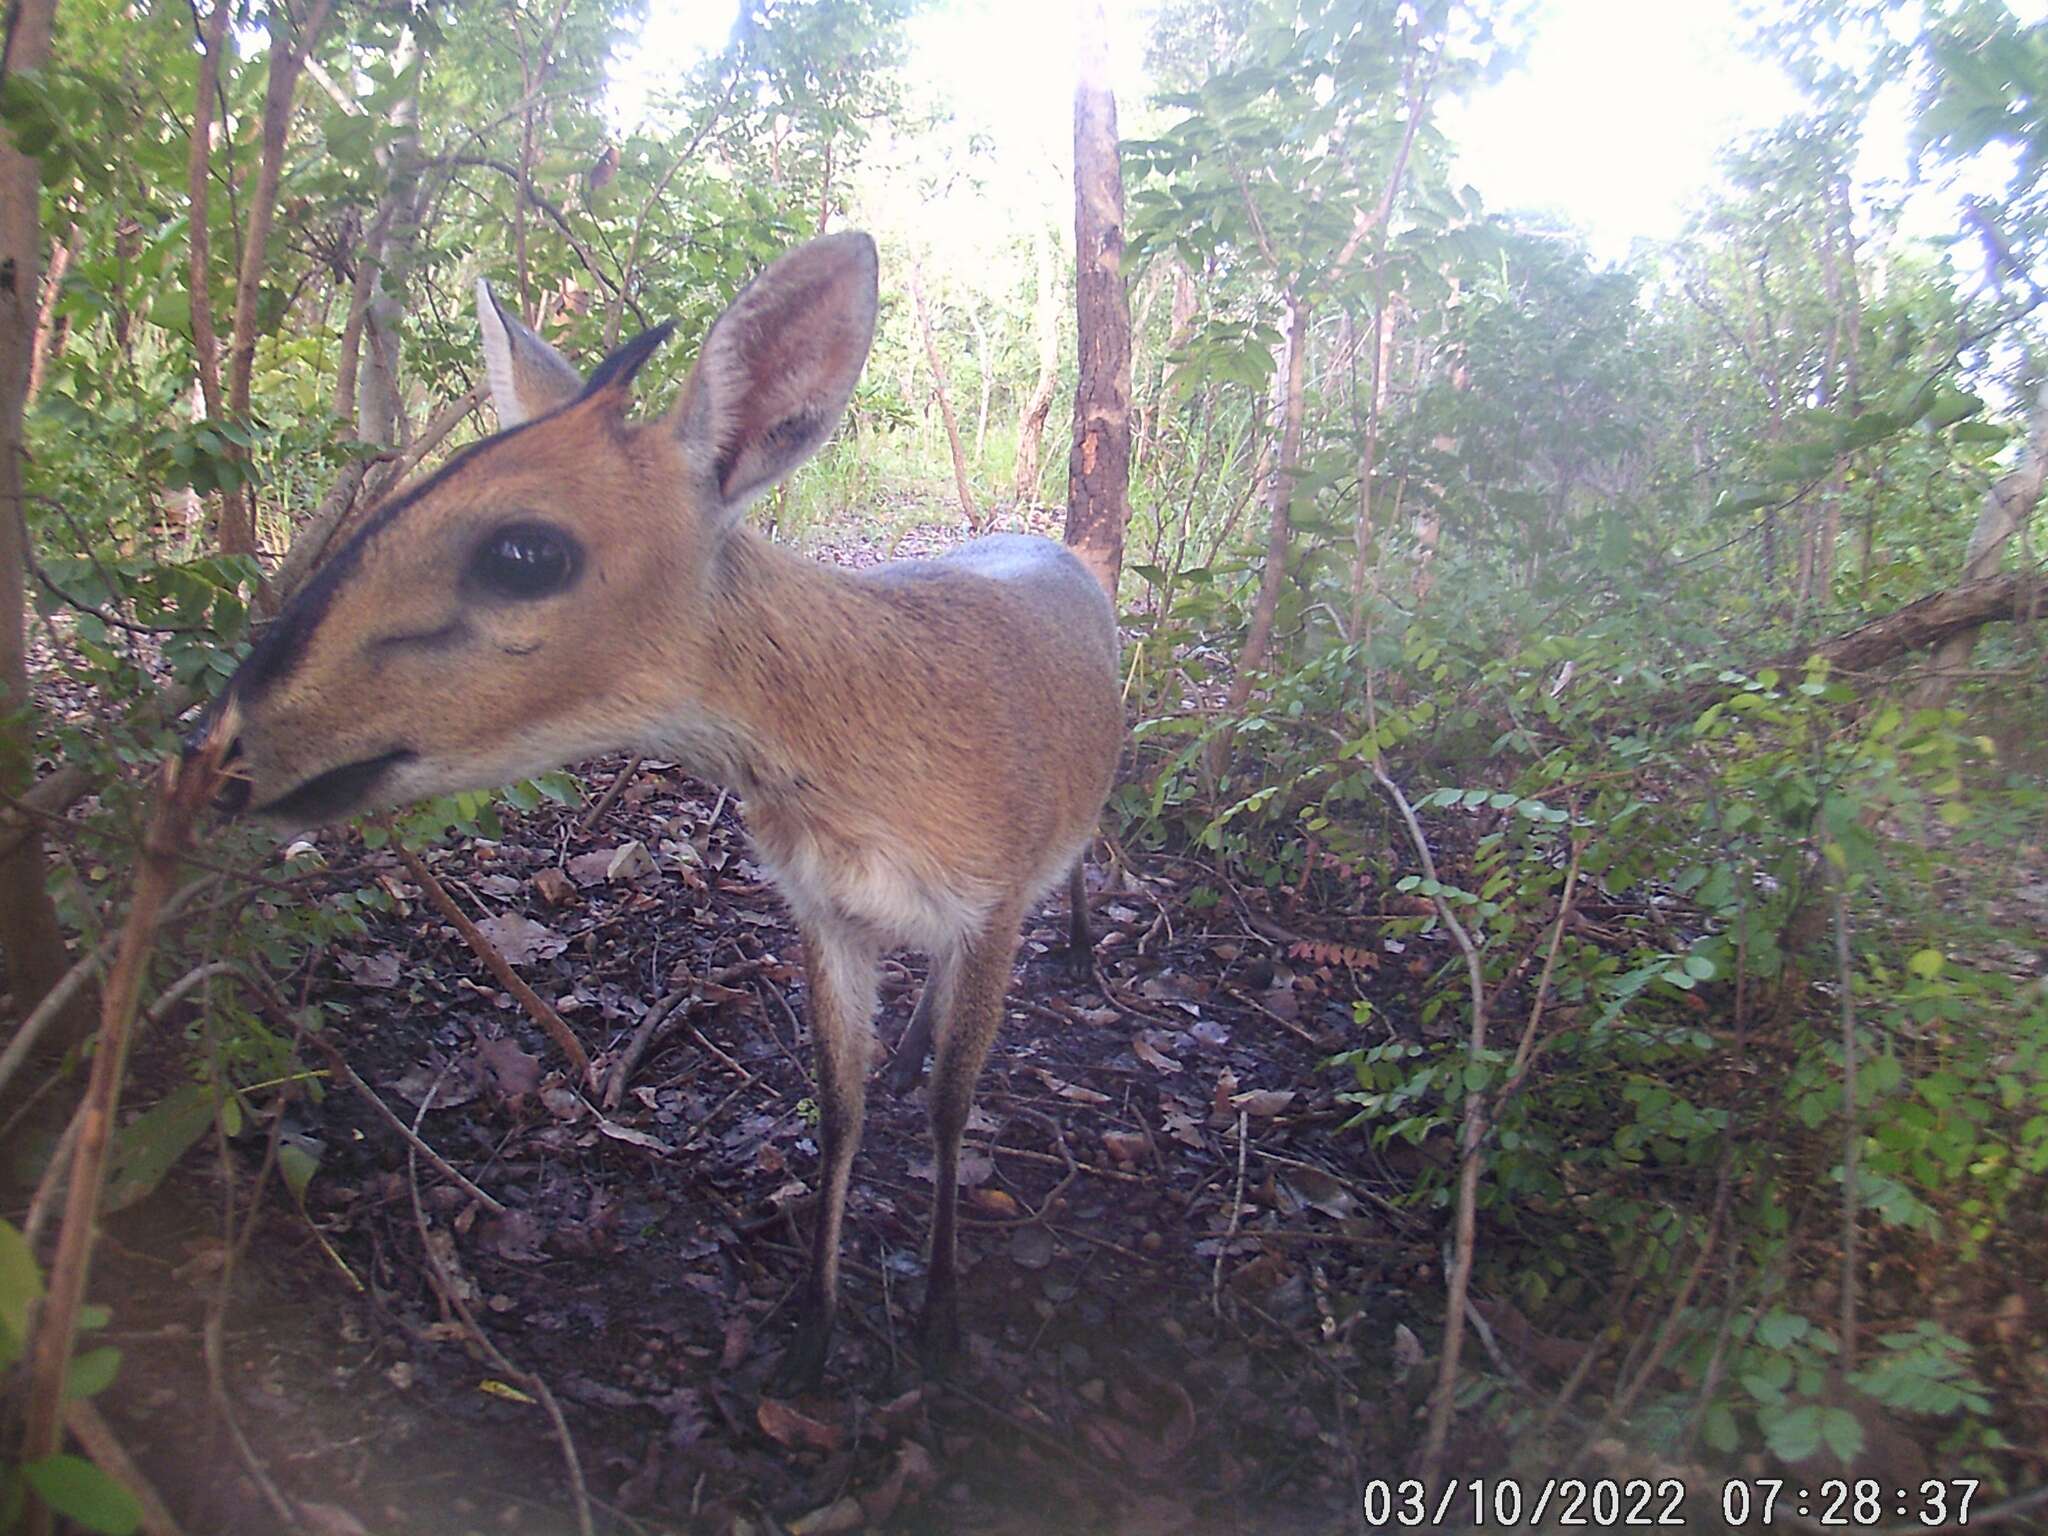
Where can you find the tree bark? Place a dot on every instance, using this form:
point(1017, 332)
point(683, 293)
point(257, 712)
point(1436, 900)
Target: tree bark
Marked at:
point(1939, 619)
point(1385, 317)
point(984, 363)
point(291, 41)
point(1180, 326)
point(2004, 510)
point(1031, 429)
point(1099, 464)
point(53, 281)
point(1258, 639)
point(199, 239)
point(29, 930)
point(381, 418)
point(931, 356)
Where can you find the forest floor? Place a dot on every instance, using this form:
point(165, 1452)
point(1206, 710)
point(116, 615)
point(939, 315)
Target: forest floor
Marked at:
point(1184, 1283)
point(1194, 1299)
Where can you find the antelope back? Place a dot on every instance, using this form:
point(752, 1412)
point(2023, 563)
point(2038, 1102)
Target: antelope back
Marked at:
point(539, 599)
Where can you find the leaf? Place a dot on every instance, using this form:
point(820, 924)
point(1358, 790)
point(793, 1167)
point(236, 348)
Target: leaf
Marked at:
point(146, 1148)
point(512, 1071)
point(1842, 1432)
point(1263, 1103)
point(21, 1286)
point(1794, 1434)
point(521, 940)
point(1926, 964)
point(1323, 952)
point(80, 1491)
point(631, 862)
point(379, 970)
point(633, 1138)
point(1719, 1431)
point(298, 1167)
point(786, 1426)
point(1152, 1056)
point(92, 1372)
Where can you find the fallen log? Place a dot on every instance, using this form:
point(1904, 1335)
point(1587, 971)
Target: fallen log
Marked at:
point(1929, 621)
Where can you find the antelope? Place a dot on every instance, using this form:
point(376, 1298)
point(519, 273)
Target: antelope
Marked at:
point(922, 749)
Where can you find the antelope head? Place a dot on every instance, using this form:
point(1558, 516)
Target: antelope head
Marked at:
point(540, 598)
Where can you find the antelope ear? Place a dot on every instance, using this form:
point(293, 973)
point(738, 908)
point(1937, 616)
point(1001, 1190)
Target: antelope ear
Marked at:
point(528, 377)
point(778, 368)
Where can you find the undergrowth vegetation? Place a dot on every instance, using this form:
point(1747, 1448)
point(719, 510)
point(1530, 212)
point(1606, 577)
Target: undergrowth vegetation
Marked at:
point(1506, 632)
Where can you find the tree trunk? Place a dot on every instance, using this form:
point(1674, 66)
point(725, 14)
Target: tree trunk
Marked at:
point(1939, 619)
point(1384, 320)
point(2005, 509)
point(199, 239)
point(1279, 533)
point(931, 356)
point(1180, 326)
point(380, 417)
point(1099, 464)
point(984, 361)
point(53, 281)
point(290, 43)
point(29, 931)
point(1031, 429)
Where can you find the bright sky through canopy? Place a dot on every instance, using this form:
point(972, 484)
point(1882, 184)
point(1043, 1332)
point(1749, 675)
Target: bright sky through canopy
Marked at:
point(1617, 116)
point(1614, 121)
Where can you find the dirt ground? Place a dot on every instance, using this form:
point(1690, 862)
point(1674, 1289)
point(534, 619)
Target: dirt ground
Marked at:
point(1183, 1279)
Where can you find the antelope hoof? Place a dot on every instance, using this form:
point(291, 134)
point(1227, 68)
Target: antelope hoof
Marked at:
point(905, 1068)
point(1079, 959)
point(938, 1335)
point(803, 1367)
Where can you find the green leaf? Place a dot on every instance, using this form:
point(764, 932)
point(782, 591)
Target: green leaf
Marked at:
point(298, 1167)
point(1794, 1434)
point(146, 1147)
point(1926, 964)
point(1779, 1328)
point(93, 1371)
point(21, 1286)
point(80, 1491)
point(1842, 1433)
point(1719, 1430)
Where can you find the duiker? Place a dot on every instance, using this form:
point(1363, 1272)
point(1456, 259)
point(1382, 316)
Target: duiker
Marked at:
point(923, 749)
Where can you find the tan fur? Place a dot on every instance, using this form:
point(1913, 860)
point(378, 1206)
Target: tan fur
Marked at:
point(923, 748)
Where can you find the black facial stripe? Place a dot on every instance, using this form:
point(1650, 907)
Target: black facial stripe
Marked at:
point(283, 645)
point(431, 639)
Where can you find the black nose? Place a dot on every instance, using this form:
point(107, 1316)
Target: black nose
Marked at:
point(202, 728)
point(233, 798)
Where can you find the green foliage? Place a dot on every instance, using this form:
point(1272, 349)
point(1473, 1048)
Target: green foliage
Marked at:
point(70, 1485)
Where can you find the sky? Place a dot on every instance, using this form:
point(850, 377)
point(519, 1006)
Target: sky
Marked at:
point(1614, 120)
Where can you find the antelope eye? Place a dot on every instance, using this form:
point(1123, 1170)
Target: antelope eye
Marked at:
point(525, 560)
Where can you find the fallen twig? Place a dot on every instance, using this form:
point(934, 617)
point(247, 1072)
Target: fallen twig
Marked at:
point(98, 1441)
point(536, 1007)
point(341, 1069)
point(611, 795)
point(636, 1049)
point(1236, 1216)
